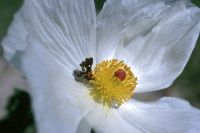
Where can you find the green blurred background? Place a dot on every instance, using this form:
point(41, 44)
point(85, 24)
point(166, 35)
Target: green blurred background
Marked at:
point(19, 118)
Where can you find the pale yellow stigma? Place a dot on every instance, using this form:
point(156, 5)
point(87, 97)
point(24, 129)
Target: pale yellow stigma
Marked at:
point(113, 83)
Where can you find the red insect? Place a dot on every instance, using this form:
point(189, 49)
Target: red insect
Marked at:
point(120, 74)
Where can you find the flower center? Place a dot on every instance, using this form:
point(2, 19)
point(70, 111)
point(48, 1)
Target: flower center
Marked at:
point(112, 82)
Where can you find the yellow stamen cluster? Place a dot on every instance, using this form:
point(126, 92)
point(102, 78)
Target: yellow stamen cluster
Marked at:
point(108, 89)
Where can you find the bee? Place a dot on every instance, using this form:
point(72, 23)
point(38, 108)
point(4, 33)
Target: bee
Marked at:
point(86, 70)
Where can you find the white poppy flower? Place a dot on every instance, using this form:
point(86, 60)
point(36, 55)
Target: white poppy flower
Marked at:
point(136, 46)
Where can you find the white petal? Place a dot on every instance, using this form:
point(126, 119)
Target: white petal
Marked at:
point(65, 27)
point(53, 91)
point(168, 115)
point(124, 16)
point(154, 37)
point(14, 43)
point(106, 120)
point(62, 29)
point(84, 127)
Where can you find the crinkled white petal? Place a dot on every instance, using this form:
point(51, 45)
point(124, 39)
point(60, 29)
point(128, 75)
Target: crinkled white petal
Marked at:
point(167, 115)
point(107, 121)
point(14, 43)
point(155, 37)
point(64, 27)
point(84, 127)
point(53, 90)
point(103, 119)
point(53, 29)
point(119, 18)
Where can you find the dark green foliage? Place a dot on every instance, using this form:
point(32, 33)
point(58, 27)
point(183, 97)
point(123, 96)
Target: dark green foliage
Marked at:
point(1, 51)
point(19, 114)
point(99, 4)
point(196, 2)
point(7, 9)
point(92, 131)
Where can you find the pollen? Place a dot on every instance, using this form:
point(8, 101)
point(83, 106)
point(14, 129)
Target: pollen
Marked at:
point(113, 83)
